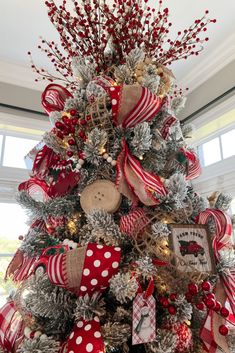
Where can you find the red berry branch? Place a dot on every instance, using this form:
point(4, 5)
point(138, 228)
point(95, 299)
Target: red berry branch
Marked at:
point(107, 33)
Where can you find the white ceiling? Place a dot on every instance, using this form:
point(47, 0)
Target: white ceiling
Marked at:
point(23, 21)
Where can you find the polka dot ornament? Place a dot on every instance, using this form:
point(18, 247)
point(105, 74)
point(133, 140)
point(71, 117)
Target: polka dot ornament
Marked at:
point(100, 264)
point(86, 337)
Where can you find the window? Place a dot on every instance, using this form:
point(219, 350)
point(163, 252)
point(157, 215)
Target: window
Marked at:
point(15, 149)
point(218, 148)
point(13, 224)
point(228, 144)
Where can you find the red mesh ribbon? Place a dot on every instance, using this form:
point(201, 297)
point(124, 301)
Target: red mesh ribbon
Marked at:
point(54, 97)
point(11, 327)
point(225, 288)
point(134, 182)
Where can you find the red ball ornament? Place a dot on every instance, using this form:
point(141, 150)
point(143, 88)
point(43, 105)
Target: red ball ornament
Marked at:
point(183, 336)
point(172, 310)
point(60, 135)
point(210, 295)
point(63, 162)
point(65, 120)
point(165, 302)
point(224, 312)
point(74, 121)
point(71, 142)
point(82, 122)
point(70, 153)
point(218, 306)
point(56, 158)
point(59, 125)
point(223, 330)
point(72, 129)
point(206, 286)
point(82, 134)
point(193, 288)
point(200, 306)
point(210, 303)
point(73, 112)
point(173, 296)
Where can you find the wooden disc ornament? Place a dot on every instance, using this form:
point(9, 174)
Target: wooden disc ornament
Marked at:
point(102, 194)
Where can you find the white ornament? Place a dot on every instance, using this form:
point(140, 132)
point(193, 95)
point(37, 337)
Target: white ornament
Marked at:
point(109, 159)
point(81, 161)
point(113, 163)
point(27, 332)
point(37, 334)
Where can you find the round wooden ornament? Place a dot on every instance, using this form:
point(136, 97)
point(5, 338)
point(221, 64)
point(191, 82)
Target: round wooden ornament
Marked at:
point(101, 194)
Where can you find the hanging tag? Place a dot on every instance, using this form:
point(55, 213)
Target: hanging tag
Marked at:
point(144, 319)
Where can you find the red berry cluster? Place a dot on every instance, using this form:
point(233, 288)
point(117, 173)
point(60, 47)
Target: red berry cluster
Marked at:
point(73, 129)
point(168, 303)
point(129, 23)
point(203, 298)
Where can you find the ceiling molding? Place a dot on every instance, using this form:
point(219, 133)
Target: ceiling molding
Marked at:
point(210, 65)
point(19, 75)
point(215, 61)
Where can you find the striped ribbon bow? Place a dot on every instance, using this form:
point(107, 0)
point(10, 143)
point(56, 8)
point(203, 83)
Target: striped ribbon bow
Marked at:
point(225, 289)
point(132, 105)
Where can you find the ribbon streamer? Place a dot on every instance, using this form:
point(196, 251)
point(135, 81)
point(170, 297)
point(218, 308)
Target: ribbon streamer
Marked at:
point(225, 289)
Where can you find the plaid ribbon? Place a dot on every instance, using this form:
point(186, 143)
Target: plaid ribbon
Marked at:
point(221, 239)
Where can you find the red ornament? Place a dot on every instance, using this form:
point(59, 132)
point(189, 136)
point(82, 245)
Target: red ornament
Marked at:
point(223, 330)
point(73, 112)
point(172, 310)
point(224, 312)
point(66, 120)
point(210, 295)
point(83, 122)
point(193, 288)
point(218, 306)
point(165, 302)
point(210, 303)
point(183, 335)
point(206, 286)
point(59, 125)
point(71, 142)
point(82, 134)
point(173, 296)
point(70, 153)
point(60, 135)
point(200, 306)
point(74, 121)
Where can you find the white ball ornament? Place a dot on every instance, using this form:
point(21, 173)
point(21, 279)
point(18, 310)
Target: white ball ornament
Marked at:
point(113, 163)
point(109, 159)
point(105, 155)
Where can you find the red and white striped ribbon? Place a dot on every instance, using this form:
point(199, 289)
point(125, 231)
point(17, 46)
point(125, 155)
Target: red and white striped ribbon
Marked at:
point(54, 97)
point(134, 221)
point(134, 182)
point(11, 325)
point(25, 269)
point(194, 167)
point(222, 238)
point(147, 107)
point(55, 269)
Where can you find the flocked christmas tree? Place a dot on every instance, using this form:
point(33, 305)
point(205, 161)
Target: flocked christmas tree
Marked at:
point(121, 254)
